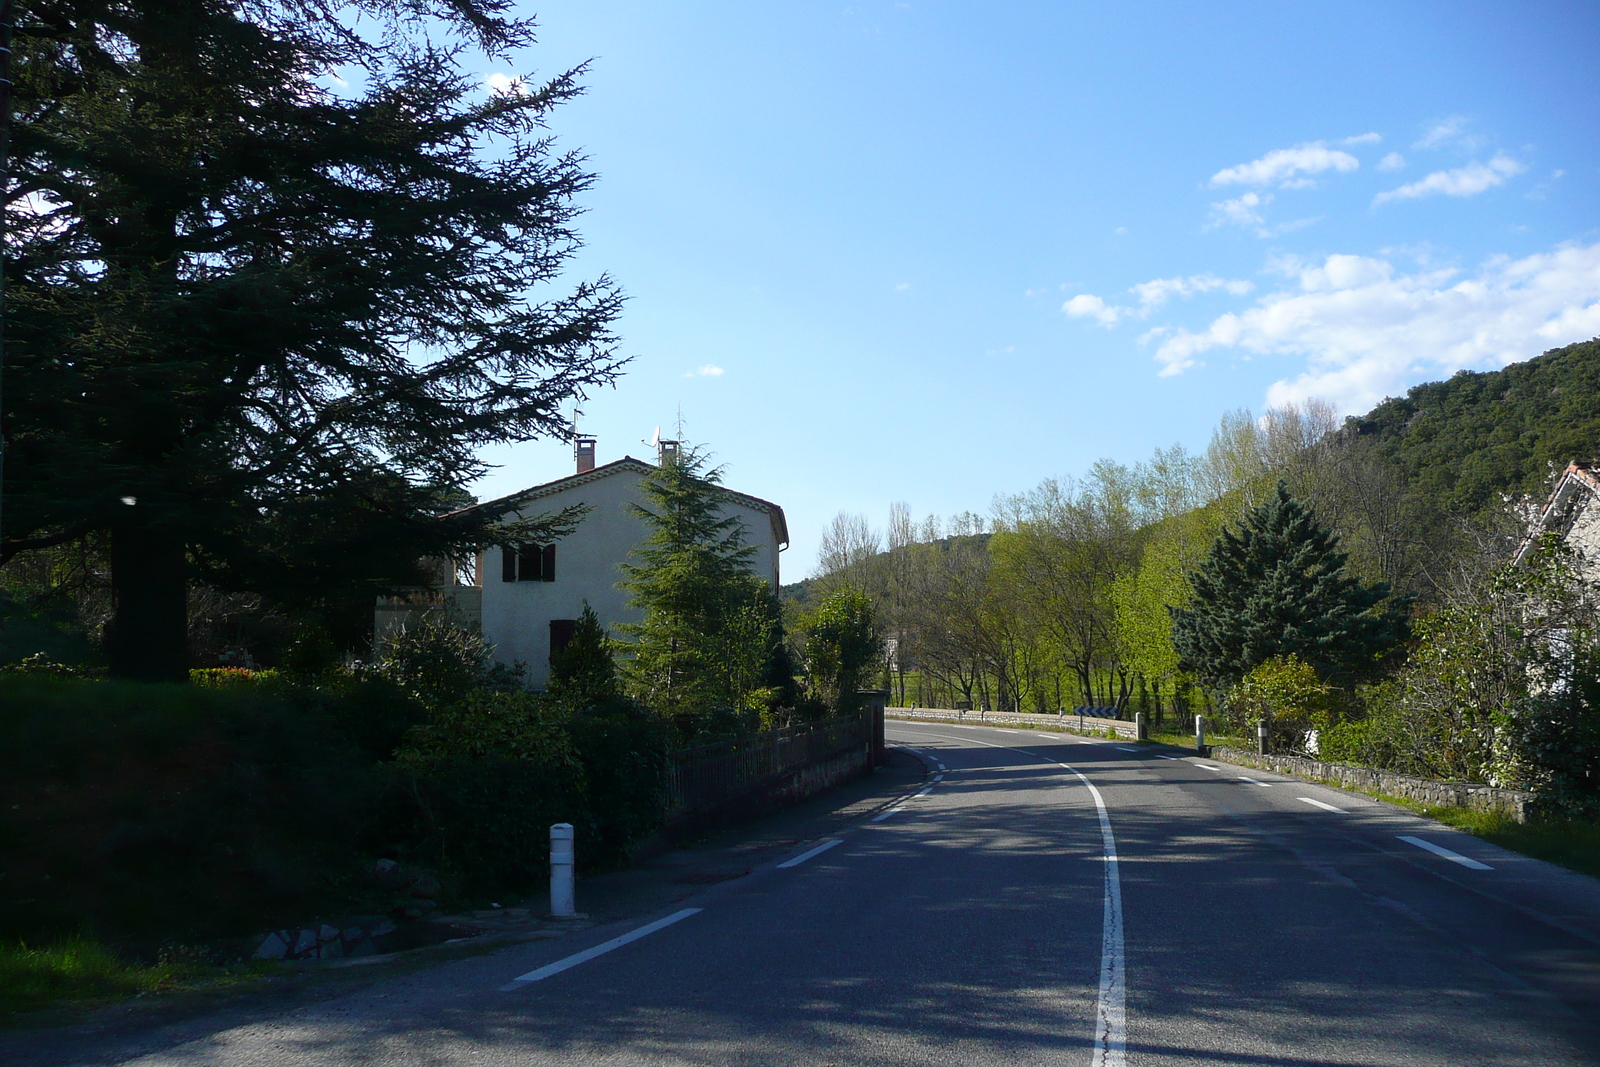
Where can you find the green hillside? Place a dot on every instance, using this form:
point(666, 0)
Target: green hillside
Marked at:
point(1466, 440)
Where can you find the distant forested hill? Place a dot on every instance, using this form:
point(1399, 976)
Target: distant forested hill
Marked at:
point(1465, 440)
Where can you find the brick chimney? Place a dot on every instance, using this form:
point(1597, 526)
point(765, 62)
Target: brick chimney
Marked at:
point(583, 452)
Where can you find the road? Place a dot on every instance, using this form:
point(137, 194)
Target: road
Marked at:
point(1043, 900)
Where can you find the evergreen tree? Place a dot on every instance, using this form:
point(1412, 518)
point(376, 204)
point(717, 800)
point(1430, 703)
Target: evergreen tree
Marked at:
point(844, 648)
point(706, 641)
point(584, 673)
point(259, 324)
point(1278, 587)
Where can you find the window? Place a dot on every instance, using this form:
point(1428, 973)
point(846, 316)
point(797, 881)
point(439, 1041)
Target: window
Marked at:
point(561, 631)
point(528, 563)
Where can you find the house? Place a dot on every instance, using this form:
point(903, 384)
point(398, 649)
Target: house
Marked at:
point(527, 600)
point(1573, 513)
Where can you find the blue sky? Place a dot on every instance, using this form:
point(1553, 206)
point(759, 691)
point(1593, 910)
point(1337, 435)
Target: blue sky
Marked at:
point(934, 252)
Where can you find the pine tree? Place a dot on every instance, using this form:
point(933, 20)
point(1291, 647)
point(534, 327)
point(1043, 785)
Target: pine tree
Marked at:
point(584, 673)
point(259, 324)
point(705, 642)
point(1278, 587)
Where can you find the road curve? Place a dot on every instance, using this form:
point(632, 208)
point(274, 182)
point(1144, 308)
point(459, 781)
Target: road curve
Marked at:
point(1043, 900)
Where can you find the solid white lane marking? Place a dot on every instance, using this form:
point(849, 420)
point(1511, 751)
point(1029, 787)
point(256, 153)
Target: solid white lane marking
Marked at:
point(1110, 1031)
point(1440, 850)
point(1252, 781)
point(601, 949)
point(819, 850)
point(1319, 804)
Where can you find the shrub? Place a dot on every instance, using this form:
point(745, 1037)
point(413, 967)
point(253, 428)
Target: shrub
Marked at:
point(1557, 740)
point(485, 777)
point(151, 811)
point(440, 662)
point(623, 747)
point(1287, 692)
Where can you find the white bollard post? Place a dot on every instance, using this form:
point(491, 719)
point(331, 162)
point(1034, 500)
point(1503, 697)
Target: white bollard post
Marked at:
point(562, 903)
point(1200, 734)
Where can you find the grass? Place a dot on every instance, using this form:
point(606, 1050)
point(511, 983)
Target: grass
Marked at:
point(1186, 740)
point(1570, 843)
point(81, 969)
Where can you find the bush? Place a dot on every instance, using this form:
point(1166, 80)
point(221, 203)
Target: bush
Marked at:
point(623, 747)
point(439, 662)
point(1557, 742)
point(153, 811)
point(485, 777)
point(1288, 693)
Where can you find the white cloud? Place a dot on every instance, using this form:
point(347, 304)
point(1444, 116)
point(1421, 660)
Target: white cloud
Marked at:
point(903, 287)
point(1442, 132)
point(710, 370)
point(1363, 138)
point(1283, 164)
point(1087, 306)
point(1242, 211)
point(503, 84)
point(1153, 294)
point(1469, 180)
point(1367, 332)
point(1392, 161)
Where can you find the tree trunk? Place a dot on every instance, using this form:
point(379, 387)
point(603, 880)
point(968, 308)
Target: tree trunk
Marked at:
point(148, 637)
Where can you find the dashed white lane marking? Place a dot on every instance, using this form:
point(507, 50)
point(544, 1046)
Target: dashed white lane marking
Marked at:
point(819, 850)
point(1128, 748)
point(599, 950)
point(1319, 804)
point(882, 815)
point(1208, 766)
point(1440, 850)
point(942, 767)
point(1252, 781)
point(1160, 756)
point(924, 791)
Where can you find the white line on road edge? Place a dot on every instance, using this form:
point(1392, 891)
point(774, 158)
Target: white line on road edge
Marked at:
point(1320, 804)
point(798, 860)
point(1440, 850)
point(599, 950)
point(1252, 781)
point(1160, 756)
point(1110, 1028)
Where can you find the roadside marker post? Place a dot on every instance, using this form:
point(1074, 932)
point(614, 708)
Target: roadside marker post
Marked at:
point(562, 902)
point(1200, 735)
point(1261, 737)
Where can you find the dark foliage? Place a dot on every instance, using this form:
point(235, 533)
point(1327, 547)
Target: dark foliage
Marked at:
point(1278, 587)
point(1558, 734)
point(258, 330)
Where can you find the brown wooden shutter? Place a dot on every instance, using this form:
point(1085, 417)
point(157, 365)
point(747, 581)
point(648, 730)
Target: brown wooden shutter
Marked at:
point(508, 564)
point(528, 563)
point(549, 563)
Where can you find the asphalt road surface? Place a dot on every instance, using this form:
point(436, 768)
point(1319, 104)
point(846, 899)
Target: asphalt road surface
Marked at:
point(1044, 899)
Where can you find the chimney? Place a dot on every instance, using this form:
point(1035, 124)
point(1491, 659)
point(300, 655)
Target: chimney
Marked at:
point(666, 452)
point(583, 451)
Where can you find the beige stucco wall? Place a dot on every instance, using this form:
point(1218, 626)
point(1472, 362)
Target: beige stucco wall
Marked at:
point(516, 615)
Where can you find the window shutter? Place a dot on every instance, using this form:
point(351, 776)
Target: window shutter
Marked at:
point(528, 569)
point(508, 564)
point(549, 563)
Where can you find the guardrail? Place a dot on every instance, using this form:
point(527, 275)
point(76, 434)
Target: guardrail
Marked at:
point(1070, 722)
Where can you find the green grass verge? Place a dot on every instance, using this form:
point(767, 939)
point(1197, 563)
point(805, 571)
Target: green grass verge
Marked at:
point(1187, 740)
point(1570, 843)
point(80, 969)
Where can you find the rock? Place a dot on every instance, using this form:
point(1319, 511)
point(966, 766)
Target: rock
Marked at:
point(364, 947)
point(273, 948)
point(386, 873)
point(382, 929)
point(327, 933)
point(351, 934)
point(331, 950)
point(418, 909)
point(306, 943)
point(423, 886)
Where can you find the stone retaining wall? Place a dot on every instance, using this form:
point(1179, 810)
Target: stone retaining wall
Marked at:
point(1070, 723)
point(1512, 802)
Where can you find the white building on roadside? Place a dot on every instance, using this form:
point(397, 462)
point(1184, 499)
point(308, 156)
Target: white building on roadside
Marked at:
point(528, 600)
